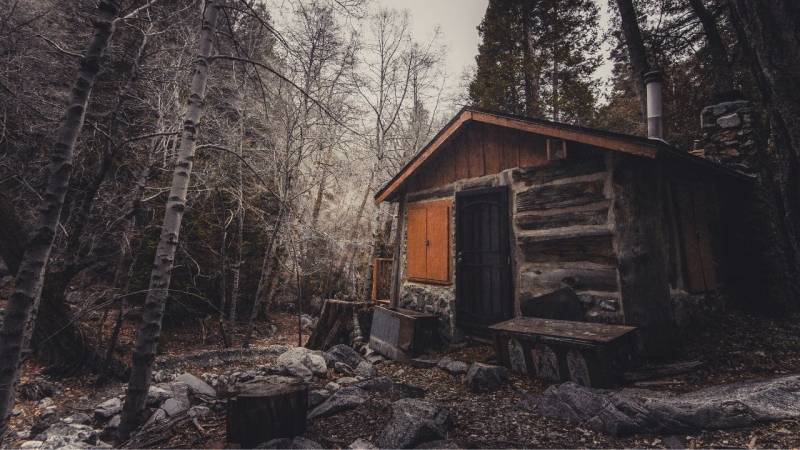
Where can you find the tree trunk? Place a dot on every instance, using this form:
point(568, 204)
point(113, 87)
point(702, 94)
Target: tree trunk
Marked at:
point(768, 31)
point(720, 68)
point(150, 328)
point(262, 412)
point(637, 54)
point(237, 266)
point(24, 302)
point(335, 324)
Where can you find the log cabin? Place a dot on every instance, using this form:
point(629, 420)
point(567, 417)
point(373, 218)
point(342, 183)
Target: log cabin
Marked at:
point(501, 216)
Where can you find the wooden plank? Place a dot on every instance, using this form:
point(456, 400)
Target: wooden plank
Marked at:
point(583, 331)
point(532, 150)
point(560, 195)
point(693, 265)
point(593, 247)
point(510, 149)
point(415, 243)
point(542, 279)
point(702, 210)
point(475, 153)
point(461, 157)
point(542, 221)
point(444, 191)
point(589, 164)
point(493, 149)
point(438, 248)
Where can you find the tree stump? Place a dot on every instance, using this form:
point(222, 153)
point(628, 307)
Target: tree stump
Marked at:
point(260, 412)
point(336, 324)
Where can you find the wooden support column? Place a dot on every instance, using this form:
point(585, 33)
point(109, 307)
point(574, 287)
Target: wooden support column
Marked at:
point(398, 252)
point(641, 247)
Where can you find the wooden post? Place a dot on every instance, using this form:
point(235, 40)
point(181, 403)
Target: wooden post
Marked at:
point(262, 412)
point(398, 249)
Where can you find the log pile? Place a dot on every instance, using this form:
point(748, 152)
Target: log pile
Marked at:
point(341, 322)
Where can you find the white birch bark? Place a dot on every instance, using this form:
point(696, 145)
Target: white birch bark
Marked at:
point(23, 304)
point(153, 312)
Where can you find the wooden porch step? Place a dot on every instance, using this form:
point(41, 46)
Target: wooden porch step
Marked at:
point(591, 354)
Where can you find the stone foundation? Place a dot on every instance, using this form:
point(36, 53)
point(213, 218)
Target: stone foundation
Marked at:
point(433, 299)
point(729, 136)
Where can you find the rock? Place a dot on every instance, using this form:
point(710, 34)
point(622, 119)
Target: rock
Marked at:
point(332, 386)
point(485, 378)
point(344, 399)
point(197, 387)
point(180, 398)
point(156, 395)
point(296, 442)
point(344, 354)
point(452, 366)
point(81, 418)
point(366, 370)
point(317, 396)
point(412, 422)
point(344, 381)
point(342, 368)
point(307, 322)
point(362, 444)
point(173, 407)
point(157, 416)
point(198, 411)
point(302, 363)
point(635, 411)
point(63, 435)
point(423, 363)
point(406, 390)
point(111, 427)
point(379, 384)
point(32, 444)
point(45, 403)
point(108, 409)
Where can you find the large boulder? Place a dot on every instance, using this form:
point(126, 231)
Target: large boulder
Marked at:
point(157, 394)
point(108, 409)
point(317, 396)
point(344, 399)
point(414, 421)
point(452, 366)
point(362, 444)
point(302, 363)
point(485, 378)
point(634, 411)
point(198, 388)
point(365, 369)
point(344, 354)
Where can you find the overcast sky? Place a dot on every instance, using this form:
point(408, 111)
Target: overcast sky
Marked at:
point(458, 20)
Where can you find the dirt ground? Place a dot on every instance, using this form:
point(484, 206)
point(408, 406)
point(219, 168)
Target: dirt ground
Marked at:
point(733, 347)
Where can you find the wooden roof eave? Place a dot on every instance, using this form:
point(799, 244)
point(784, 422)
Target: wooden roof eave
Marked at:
point(392, 188)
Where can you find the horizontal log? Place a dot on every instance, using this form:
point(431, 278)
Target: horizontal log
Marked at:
point(589, 247)
point(538, 221)
point(541, 280)
point(565, 168)
point(560, 196)
point(444, 191)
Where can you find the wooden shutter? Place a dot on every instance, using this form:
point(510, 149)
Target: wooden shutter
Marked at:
point(438, 254)
point(415, 253)
point(428, 242)
point(695, 237)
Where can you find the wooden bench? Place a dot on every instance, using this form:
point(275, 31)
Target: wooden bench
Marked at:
point(590, 354)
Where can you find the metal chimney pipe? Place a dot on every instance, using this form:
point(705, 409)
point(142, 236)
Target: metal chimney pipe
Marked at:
point(655, 123)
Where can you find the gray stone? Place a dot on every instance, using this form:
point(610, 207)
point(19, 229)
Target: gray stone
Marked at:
point(180, 395)
point(317, 396)
point(111, 426)
point(197, 387)
point(63, 435)
point(452, 366)
point(108, 409)
point(423, 363)
point(414, 421)
point(156, 395)
point(342, 400)
point(342, 368)
point(366, 370)
point(729, 121)
point(344, 381)
point(485, 378)
point(362, 444)
point(332, 386)
point(81, 418)
point(379, 384)
point(344, 354)
point(32, 444)
point(302, 363)
point(198, 411)
point(635, 411)
point(293, 443)
point(173, 407)
point(157, 416)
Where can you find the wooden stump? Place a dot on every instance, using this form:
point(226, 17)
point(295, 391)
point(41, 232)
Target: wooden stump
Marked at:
point(336, 324)
point(262, 412)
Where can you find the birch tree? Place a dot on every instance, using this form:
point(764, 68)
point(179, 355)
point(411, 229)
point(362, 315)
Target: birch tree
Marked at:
point(23, 304)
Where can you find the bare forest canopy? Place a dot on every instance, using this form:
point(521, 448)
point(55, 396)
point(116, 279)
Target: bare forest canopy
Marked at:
point(164, 162)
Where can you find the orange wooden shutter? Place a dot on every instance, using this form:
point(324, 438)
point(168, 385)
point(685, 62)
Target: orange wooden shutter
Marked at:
point(415, 253)
point(438, 255)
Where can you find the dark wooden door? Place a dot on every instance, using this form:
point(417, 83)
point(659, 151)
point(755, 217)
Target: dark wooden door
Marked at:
point(483, 266)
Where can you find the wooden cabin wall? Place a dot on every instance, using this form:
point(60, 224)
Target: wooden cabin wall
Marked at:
point(564, 232)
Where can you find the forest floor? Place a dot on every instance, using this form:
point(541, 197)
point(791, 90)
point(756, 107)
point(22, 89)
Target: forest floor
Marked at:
point(733, 347)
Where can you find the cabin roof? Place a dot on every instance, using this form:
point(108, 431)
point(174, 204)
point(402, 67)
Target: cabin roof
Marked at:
point(608, 140)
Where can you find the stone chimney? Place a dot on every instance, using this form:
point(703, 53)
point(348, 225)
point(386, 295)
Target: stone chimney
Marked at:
point(729, 134)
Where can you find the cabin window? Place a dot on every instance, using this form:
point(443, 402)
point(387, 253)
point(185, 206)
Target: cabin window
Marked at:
point(428, 242)
point(693, 226)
